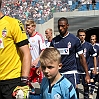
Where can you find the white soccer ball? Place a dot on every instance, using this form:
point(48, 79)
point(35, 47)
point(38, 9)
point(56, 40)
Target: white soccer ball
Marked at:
point(20, 95)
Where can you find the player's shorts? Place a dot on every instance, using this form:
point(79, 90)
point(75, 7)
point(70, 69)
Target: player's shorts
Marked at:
point(7, 87)
point(91, 74)
point(71, 77)
point(82, 78)
point(33, 77)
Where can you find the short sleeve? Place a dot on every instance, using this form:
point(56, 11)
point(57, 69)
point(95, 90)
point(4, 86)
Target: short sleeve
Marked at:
point(42, 42)
point(79, 49)
point(17, 31)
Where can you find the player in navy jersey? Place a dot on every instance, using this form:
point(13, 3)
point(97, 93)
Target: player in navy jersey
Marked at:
point(96, 48)
point(68, 45)
point(88, 52)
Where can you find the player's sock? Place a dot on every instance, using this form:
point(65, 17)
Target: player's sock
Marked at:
point(77, 92)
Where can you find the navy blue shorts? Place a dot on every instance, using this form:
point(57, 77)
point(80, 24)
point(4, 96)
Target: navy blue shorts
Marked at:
point(82, 78)
point(72, 78)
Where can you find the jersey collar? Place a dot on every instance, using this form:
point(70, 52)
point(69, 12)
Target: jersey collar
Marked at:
point(34, 34)
point(65, 35)
point(50, 87)
point(2, 17)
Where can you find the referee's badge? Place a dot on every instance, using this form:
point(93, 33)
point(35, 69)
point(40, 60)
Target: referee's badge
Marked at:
point(4, 32)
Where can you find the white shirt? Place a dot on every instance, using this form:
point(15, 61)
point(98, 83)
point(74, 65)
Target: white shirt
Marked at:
point(36, 45)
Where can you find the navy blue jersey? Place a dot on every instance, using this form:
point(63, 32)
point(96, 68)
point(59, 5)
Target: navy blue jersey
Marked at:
point(88, 52)
point(68, 46)
point(96, 49)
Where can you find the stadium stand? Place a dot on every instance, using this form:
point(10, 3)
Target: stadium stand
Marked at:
point(42, 10)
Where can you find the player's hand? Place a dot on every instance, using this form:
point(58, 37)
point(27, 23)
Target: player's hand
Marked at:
point(24, 89)
point(87, 79)
point(94, 71)
point(38, 71)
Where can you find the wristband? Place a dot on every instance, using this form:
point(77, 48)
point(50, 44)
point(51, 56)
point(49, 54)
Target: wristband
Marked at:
point(24, 81)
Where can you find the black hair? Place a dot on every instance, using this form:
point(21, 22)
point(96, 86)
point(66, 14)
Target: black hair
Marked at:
point(80, 30)
point(63, 19)
point(0, 3)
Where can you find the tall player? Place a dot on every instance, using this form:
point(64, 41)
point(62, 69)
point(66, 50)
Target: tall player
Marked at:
point(69, 45)
point(96, 48)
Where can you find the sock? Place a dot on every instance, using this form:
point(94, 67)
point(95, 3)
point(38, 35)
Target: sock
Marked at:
point(77, 92)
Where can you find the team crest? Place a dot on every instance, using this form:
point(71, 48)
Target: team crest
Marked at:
point(69, 45)
point(4, 32)
point(57, 96)
point(33, 41)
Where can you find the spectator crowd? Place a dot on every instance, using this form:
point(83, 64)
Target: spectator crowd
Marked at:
point(41, 10)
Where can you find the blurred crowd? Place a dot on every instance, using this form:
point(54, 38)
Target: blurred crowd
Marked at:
point(38, 10)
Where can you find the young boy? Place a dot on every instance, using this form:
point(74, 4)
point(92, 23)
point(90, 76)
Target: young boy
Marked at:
point(54, 85)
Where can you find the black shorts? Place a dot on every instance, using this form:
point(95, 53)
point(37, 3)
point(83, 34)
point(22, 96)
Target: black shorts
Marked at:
point(7, 87)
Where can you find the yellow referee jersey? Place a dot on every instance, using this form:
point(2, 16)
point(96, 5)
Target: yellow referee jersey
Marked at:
point(11, 33)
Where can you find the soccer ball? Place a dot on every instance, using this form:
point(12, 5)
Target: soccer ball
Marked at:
point(20, 95)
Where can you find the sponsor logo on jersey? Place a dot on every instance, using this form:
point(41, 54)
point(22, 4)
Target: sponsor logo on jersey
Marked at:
point(69, 45)
point(56, 42)
point(64, 51)
point(57, 96)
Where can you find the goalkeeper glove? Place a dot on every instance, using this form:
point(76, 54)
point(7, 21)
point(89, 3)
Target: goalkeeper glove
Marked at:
point(22, 91)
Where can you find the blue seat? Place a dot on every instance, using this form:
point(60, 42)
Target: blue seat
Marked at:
point(35, 96)
point(83, 8)
point(97, 6)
